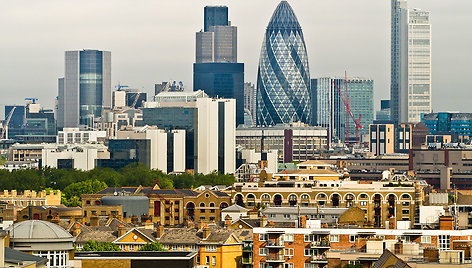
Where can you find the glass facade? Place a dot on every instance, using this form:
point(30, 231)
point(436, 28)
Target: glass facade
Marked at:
point(223, 80)
point(460, 123)
point(177, 118)
point(215, 16)
point(283, 79)
point(91, 73)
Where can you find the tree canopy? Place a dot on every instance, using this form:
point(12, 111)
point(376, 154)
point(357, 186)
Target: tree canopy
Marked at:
point(154, 246)
point(73, 183)
point(100, 246)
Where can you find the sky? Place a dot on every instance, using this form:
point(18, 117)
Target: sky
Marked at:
point(154, 40)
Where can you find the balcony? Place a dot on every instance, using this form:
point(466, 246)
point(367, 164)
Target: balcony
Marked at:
point(275, 244)
point(320, 244)
point(319, 259)
point(247, 260)
point(275, 258)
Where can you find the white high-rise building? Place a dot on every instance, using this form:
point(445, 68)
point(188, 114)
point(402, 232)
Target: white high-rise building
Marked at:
point(410, 90)
point(209, 124)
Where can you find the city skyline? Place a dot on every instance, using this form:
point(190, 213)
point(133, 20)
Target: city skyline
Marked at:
point(143, 70)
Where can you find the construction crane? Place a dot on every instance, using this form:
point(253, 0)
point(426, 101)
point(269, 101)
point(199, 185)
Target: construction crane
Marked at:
point(349, 114)
point(135, 100)
point(4, 130)
point(31, 100)
point(119, 87)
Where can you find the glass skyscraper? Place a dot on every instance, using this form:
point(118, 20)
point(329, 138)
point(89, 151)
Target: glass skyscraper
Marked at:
point(86, 88)
point(410, 90)
point(283, 79)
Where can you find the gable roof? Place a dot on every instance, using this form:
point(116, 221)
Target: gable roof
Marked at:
point(142, 231)
point(235, 208)
point(392, 259)
point(180, 236)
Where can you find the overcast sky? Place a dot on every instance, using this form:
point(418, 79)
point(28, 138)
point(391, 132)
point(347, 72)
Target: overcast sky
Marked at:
point(154, 40)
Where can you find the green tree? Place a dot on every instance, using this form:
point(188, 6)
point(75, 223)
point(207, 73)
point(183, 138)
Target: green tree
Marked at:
point(154, 246)
point(73, 192)
point(100, 246)
point(3, 160)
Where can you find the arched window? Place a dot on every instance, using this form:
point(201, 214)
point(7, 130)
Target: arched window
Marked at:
point(335, 200)
point(405, 196)
point(202, 204)
point(321, 196)
point(212, 204)
point(277, 200)
point(223, 205)
point(363, 196)
point(250, 196)
point(292, 200)
point(265, 196)
point(305, 196)
point(239, 200)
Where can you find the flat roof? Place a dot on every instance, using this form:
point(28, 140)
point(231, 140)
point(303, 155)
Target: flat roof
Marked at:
point(151, 255)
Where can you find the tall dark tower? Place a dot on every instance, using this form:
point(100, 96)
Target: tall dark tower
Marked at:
point(215, 16)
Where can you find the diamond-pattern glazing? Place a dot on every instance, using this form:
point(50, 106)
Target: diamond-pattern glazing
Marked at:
point(283, 79)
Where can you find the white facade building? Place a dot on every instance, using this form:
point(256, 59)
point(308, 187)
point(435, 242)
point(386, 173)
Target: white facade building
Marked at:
point(210, 126)
point(71, 156)
point(77, 136)
point(410, 91)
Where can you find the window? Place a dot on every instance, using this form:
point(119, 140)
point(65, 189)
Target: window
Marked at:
point(210, 248)
point(426, 239)
point(207, 260)
point(308, 252)
point(406, 204)
point(263, 251)
point(213, 260)
point(307, 238)
point(363, 196)
point(333, 238)
point(175, 248)
point(263, 265)
point(288, 265)
point(288, 252)
point(444, 242)
point(286, 216)
point(288, 237)
point(271, 215)
point(131, 247)
point(405, 211)
point(263, 237)
point(352, 238)
point(364, 203)
point(310, 265)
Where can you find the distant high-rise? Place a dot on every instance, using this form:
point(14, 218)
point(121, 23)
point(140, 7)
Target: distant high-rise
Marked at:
point(283, 79)
point(85, 89)
point(215, 16)
point(410, 90)
point(216, 70)
point(328, 109)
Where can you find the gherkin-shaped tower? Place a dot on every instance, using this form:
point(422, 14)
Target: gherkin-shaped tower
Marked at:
point(283, 78)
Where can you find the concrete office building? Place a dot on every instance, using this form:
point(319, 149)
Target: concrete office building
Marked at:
point(330, 110)
point(81, 157)
point(216, 70)
point(382, 139)
point(410, 90)
point(85, 89)
point(209, 125)
point(77, 136)
point(156, 148)
point(293, 142)
point(250, 103)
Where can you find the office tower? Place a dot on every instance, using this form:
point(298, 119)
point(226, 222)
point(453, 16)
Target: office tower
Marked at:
point(329, 110)
point(215, 16)
point(30, 120)
point(216, 70)
point(209, 125)
point(384, 113)
point(381, 139)
point(250, 102)
point(410, 63)
point(85, 89)
point(283, 78)
point(224, 80)
point(361, 102)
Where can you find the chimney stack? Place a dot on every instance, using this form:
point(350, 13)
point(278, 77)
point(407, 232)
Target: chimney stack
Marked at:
point(228, 221)
point(121, 230)
point(160, 231)
point(206, 232)
point(94, 221)
point(263, 221)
